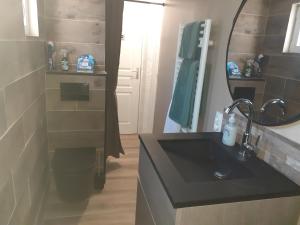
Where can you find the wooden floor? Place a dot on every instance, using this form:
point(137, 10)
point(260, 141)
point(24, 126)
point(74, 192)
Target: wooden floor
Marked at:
point(115, 205)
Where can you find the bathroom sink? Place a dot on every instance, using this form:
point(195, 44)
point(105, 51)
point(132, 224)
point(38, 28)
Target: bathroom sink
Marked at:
point(197, 169)
point(203, 160)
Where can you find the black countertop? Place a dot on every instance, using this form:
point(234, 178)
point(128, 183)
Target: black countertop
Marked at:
point(265, 183)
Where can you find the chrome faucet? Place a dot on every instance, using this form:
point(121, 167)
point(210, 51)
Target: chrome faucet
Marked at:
point(280, 102)
point(247, 149)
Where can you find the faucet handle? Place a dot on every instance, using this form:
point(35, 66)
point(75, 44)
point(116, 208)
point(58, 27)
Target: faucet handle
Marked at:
point(257, 140)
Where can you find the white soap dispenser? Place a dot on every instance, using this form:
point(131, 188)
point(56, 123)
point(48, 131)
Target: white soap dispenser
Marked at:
point(230, 131)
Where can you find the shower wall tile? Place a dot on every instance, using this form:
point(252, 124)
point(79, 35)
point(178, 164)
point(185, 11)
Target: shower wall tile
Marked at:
point(28, 56)
point(2, 114)
point(20, 94)
point(7, 202)
point(34, 152)
point(22, 109)
point(34, 116)
point(20, 214)
point(11, 146)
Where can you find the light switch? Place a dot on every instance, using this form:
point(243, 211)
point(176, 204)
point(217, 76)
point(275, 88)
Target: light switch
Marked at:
point(218, 122)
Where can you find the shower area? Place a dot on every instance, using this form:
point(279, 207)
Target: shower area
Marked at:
point(53, 120)
point(61, 160)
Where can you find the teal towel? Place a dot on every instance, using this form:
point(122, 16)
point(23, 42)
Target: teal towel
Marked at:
point(182, 106)
point(190, 40)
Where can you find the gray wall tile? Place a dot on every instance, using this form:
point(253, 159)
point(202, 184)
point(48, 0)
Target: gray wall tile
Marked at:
point(96, 102)
point(53, 101)
point(7, 202)
point(280, 7)
point(22, 82)
point(250, 24)
point(21, 212)
point(20, 94)
point(74, 9)
point(75, 139)
point(11, 145)
point(75, 120)
point(11, 22)
point(76, 31)
point(241, 43)
point(97, 50)
point(257, 7)
point(34, 116)
point(35, 151)
point(2, 114)
point(96, 82)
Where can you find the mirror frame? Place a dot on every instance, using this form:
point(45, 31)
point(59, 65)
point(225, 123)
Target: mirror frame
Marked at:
point(291, 119)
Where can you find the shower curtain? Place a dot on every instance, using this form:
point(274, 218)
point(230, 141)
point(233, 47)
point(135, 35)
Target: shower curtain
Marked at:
point(114, 17)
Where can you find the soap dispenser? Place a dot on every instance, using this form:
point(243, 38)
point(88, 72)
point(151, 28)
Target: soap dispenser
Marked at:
point(230, 131)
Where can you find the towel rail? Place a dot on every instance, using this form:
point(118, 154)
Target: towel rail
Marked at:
point(204, 43)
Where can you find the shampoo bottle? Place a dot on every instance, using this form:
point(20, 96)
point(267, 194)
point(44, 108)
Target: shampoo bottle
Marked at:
point(230, 131)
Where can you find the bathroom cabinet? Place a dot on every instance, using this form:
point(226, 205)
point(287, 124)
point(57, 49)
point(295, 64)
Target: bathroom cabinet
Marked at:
point(154, 206)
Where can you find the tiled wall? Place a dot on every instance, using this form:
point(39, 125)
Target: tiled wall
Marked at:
point(248, 35)
point(23, 137)
point(261, 28)
point(278, 151)
point(75, 124)
point(78, 26)
point(282, 71)
point(247, 41)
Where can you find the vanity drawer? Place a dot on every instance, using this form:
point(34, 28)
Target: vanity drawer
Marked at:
point(143, 212)
point(159, 203)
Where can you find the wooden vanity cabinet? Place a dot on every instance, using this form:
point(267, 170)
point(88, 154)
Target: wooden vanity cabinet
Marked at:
point(154, 207)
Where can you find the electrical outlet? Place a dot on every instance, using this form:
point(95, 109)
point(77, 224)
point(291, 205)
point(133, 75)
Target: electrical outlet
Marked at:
point(218, 122)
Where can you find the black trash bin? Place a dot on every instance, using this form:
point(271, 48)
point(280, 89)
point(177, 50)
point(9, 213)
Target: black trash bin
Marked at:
point(74, 172)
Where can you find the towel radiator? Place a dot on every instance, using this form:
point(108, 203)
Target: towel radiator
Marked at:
point(204, 43)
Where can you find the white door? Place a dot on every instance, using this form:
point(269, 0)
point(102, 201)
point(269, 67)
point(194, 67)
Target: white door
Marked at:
point(128, 89)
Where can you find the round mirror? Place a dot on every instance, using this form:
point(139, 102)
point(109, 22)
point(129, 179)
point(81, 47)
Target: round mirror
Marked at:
point(263, 60)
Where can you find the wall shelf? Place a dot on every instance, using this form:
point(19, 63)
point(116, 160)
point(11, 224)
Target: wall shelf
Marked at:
point(73, 72)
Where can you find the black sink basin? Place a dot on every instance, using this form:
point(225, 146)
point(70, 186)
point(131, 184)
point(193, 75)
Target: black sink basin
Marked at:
point(203, 160)
point(186, 165)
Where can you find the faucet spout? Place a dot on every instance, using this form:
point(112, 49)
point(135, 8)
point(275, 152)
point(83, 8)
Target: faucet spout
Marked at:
point(246, 141)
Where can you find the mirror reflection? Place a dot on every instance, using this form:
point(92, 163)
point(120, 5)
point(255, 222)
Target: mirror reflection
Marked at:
point(263, 59)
